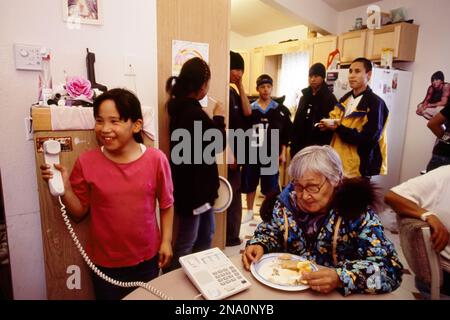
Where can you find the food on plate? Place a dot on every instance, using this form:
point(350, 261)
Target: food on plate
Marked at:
point(304, 266)
point(295, 265)
point(285, 256)
point(289, 264)
point(286, 270)
point(298, 266)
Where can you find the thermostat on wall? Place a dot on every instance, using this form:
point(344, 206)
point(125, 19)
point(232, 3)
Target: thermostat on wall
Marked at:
point(27, 57)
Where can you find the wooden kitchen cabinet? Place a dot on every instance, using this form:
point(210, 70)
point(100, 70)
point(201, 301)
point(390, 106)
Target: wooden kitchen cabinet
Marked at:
point(322, 47)
point(401, 37)
point(352, 45)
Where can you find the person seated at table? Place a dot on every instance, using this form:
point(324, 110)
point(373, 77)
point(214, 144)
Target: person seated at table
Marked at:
point(332, 222)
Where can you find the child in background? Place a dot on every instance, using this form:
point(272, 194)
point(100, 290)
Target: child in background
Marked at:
point(196, 184)
point(119, 183)
point(267, 115)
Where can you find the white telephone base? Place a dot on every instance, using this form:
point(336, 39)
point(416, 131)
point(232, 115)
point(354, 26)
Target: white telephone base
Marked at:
point(213, 273)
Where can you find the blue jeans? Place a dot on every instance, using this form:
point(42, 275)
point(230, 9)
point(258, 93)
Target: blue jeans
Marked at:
point(195, 233)
point(437, 161)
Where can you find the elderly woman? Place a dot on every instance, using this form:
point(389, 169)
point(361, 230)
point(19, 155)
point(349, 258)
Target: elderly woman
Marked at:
point(329, 221)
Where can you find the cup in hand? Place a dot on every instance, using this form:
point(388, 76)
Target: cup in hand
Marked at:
point(329, 122)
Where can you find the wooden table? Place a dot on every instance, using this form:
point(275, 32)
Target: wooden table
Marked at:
point(178, 286)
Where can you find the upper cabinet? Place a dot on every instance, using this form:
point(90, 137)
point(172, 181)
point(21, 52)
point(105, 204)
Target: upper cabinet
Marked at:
point(321, 48)
point(401, 37)
point(352, 45)
point(283, 48)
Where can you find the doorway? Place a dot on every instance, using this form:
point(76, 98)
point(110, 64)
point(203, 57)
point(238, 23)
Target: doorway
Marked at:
point(278, 47)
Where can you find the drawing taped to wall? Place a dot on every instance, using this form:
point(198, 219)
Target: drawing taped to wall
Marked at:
point(82, 11)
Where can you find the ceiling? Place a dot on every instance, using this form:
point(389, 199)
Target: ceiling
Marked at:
point(342, 5)
point(252, 17)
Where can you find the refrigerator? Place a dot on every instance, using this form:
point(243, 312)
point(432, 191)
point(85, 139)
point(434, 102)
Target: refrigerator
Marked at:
point(394, 87)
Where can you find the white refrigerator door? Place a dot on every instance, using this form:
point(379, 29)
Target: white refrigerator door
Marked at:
point(340, 86)
point(395, 88)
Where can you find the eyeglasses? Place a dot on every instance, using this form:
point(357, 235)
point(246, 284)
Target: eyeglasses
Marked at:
point(312, 188)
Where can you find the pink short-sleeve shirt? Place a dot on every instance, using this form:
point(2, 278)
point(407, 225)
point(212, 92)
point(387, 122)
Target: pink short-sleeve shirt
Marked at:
point(122, 200)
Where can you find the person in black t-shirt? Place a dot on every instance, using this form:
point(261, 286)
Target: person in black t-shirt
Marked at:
point(441, 151)
point(239, 110)
point(196, 183)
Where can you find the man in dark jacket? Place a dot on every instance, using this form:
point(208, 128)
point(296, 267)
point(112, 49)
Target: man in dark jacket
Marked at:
point(315, 104)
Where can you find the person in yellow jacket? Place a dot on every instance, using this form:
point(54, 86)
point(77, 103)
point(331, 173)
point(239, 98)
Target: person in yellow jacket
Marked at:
point(359, 122)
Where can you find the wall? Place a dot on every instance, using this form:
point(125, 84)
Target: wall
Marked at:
point(240, 42)
point(432, 54)
point(129, 28)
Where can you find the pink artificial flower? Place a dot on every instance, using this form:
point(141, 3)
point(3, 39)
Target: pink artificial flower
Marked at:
point(78, 86)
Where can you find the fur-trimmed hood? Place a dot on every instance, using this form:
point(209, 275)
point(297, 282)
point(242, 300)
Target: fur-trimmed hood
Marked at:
point(354, 196)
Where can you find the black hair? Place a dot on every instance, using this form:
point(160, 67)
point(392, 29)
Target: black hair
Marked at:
point(262, 79)
point(318, 69)
point(366, 62)
point(267, 206)
point(236, 61)
point(193, 75)
point(127, 105)
point(438, 75)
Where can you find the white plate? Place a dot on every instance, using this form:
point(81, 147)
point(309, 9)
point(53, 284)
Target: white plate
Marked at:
point(263, 270)
point(225, 193)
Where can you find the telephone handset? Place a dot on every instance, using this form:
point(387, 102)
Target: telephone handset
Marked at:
point(52, 150)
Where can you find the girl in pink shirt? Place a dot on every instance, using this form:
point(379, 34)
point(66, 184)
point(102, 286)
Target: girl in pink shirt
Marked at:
point(119, 183)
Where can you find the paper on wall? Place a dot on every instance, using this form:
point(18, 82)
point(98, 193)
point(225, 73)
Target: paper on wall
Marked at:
point(185, 50)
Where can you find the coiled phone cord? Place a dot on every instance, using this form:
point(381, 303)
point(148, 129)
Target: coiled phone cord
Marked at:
point(94, 268)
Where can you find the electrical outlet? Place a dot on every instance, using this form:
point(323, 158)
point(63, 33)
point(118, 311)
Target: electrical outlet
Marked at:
point(130, 65)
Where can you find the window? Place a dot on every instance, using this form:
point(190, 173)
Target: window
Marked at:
point(293, 77)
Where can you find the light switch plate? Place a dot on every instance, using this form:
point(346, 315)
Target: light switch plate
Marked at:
point(27, 57)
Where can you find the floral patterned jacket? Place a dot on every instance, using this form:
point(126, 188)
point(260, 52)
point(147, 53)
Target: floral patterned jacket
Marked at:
point(366, 261)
